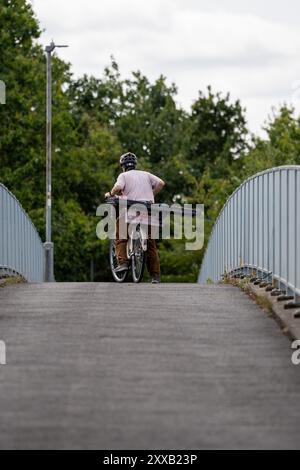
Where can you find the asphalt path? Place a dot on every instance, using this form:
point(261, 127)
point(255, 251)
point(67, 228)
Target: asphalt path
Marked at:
point(170, 366)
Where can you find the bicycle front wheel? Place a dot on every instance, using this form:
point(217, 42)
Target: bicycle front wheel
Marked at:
point(113, 261)
point(138, 260)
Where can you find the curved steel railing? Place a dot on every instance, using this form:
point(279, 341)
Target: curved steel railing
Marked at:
point(258, 231)
point(21, 249)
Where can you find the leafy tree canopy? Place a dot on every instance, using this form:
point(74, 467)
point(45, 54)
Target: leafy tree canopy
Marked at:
point(203, 153)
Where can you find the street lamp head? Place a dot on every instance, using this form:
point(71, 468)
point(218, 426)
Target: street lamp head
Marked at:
point(52, 46)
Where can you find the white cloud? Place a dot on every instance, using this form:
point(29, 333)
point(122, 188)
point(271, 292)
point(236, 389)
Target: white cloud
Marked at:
point(249, 49)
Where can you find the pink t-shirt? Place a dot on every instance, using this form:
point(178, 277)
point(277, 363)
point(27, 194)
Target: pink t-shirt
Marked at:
point(138, 185)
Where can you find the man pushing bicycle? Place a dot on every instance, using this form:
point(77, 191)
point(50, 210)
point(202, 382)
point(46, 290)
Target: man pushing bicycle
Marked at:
point(139, 186)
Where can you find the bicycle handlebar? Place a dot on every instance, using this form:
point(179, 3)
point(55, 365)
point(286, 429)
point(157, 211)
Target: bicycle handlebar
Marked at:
point(128, 202)
point(153, 206)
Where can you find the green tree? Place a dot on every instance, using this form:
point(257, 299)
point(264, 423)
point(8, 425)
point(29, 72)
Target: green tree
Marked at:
point(94, 120)
point(82, 166)
point(217, 134)
point(280, 147)
point(143, 115)
point(22, 119)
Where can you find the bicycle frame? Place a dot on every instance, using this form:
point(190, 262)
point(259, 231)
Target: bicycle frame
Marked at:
point(144, 237)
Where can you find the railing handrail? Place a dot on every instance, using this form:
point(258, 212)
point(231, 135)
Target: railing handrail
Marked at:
point(22, 208)
point(261, 173)
point(21, 248)
point(258, 201)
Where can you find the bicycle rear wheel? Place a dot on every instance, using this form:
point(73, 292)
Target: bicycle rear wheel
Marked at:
point(113, 261)
point(138, 260)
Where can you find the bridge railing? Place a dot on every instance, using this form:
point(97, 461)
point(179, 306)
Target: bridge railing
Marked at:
point(21, 249)
point(258, 231)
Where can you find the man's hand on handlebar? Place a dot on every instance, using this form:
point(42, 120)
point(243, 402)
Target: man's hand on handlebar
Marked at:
point(110, 195)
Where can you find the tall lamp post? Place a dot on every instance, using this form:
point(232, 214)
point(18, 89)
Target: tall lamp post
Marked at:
point(49, 246)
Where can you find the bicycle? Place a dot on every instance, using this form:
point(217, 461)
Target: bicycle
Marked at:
point(136, 248)
point(137, 245)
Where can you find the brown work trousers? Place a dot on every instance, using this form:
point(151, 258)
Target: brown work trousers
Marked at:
point(152, 258)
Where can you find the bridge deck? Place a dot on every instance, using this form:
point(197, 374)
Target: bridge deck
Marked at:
point(171, 366)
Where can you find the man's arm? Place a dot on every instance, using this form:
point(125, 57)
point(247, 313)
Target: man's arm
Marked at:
point(156, 183)
point(160, 185)
point(117, 189)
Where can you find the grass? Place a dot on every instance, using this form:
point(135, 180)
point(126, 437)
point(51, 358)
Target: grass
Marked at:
point(7, 281)
point(261, 299)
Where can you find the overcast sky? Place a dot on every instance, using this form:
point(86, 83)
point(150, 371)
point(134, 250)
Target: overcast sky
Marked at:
point(250, 48)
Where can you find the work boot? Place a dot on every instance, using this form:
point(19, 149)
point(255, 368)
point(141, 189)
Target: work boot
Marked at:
point(121, 268)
